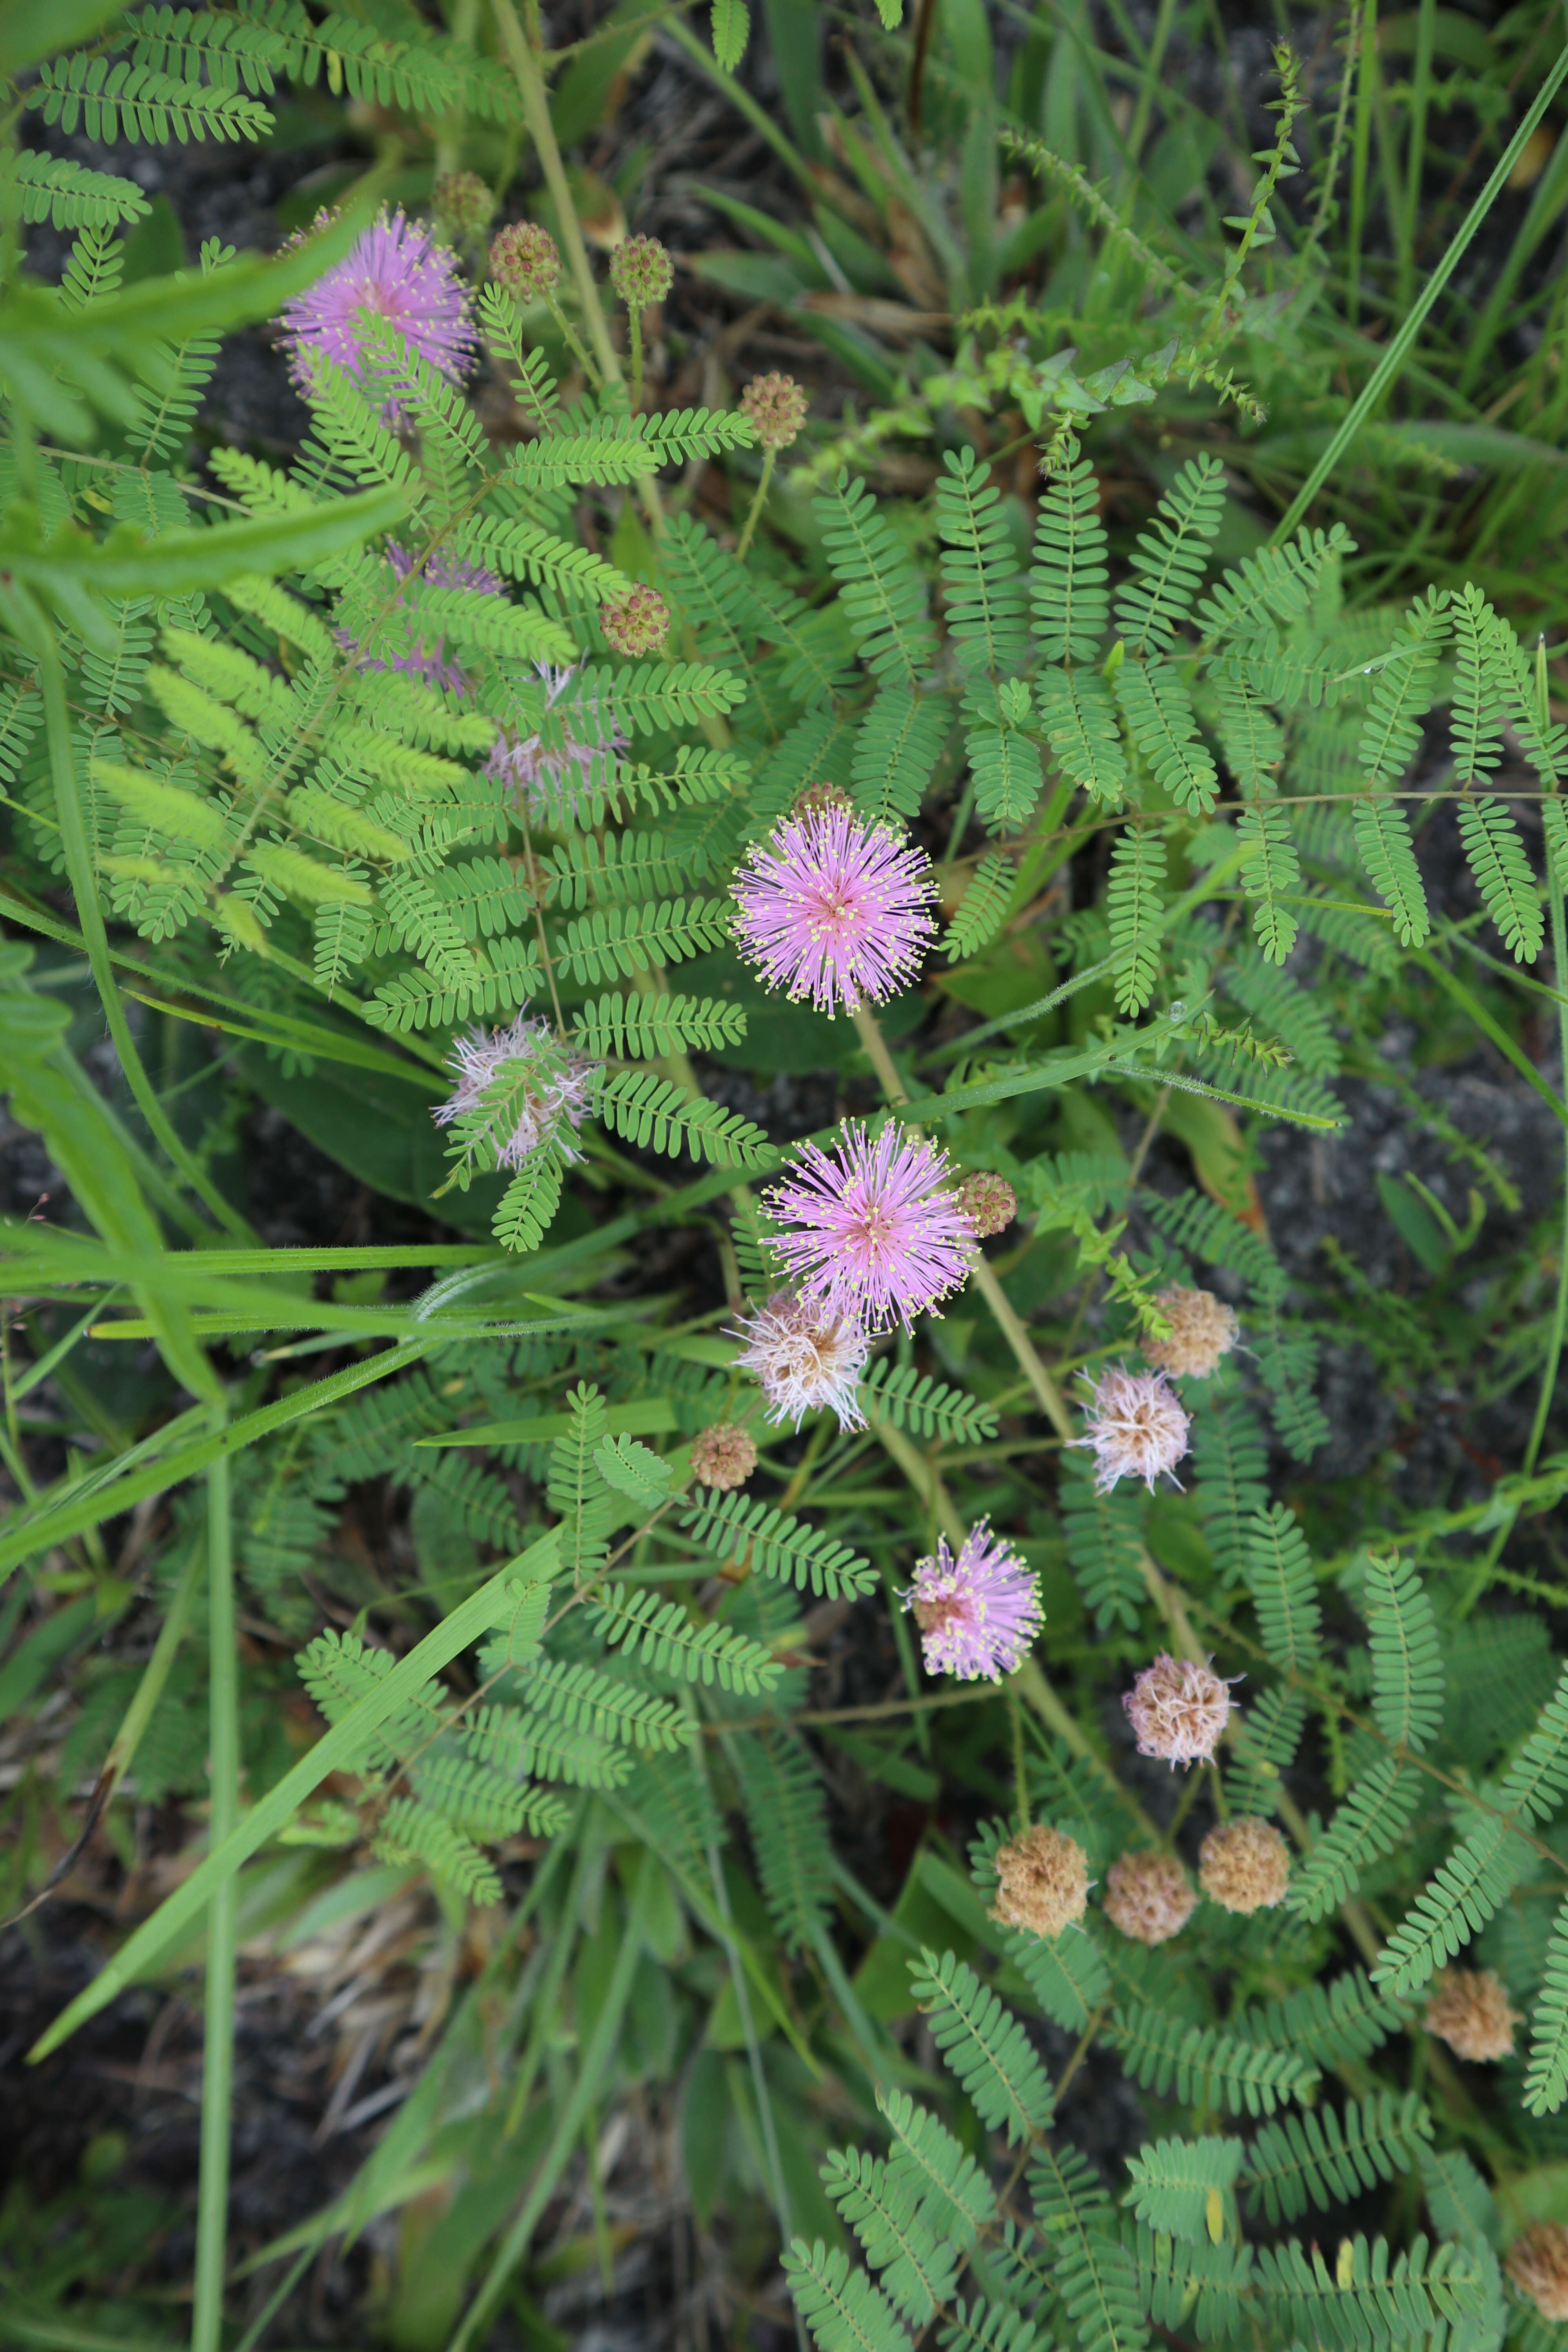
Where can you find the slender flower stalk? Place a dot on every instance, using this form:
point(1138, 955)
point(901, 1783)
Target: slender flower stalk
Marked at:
point(642, 274)
point(777, 408)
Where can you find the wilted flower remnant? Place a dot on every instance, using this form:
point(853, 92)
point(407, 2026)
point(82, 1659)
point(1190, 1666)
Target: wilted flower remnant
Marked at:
point(872, 1227)
point(1469, 2009)
point(540, 1088)
point(1178, 1709)
point(989, 1201)
point(525, 262)
point(1042, 1882)
point(806, 1357)
point(833, 910)
point(401, 274)
point(1149, 1898)
point(1245, 1865)
point(422, 658)
point(638, 625)
point(548, 776)
point(1136, 1427)
point(977, 1614)
point(723, 1456)
point(1203, 1329)
point(777, 408)
point(1537, 2263)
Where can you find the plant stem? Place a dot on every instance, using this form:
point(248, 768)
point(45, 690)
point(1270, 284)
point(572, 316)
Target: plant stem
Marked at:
point(530, 76)
point(634, 346)
point(981, 1273)
point(223, 1916)
point(1399, 349)
point(758, 502)
point(574, 341)
point(923, 1477)
point(95, 937)
point(1560, 1315)
point(449, 138)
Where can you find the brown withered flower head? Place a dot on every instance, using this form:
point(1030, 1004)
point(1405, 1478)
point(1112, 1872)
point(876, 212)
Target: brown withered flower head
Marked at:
point(724, 1455)
point(1149, 1897)
point(777, 407)
point(1042, 1882)
point(989, 1201)
point(1245, 1865)
point(1537, 2263)
point(1469, 2009)
point(1203, 1329)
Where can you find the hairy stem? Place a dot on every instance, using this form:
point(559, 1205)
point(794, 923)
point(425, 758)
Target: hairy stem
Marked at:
point(223, 1917)
point(759, 501)
point(530, 76)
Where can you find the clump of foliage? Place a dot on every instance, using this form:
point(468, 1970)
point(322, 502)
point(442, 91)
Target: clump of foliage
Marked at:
point(489, 803)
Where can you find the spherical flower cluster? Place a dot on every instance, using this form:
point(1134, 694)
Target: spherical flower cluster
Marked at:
point(1469, 2009)
point(641, 272)
point(463, 204)
point(1149, 1897)
point(1245, 1865)
point(833, 910)
point(638, 625)
point(549, 1089)
point(1042, 1882)
point(1203, 1329)
point(977, 1614)
point(525, 261)
point(806, 1358)
point(818, 798)
point(1136, 1427)
point(724, 1455)
point(422, 658)
point(1537, 2263)
point(777, 408)
point(1178, 1709)
point(398, 272)
point(547, 777)
point(989, 1201)
point(872, 1228)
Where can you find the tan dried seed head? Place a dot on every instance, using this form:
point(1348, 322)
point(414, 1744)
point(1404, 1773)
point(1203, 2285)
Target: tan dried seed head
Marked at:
point(1469, 2009)
point(1245, 1865)
point(1149, 1897)
point(1042, 1882)
point(1537, 2263)
point(1203, 1329)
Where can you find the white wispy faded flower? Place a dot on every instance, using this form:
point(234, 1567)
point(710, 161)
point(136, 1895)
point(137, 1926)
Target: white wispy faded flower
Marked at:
point(805, 1358)
point(518, 1090)
point(550, 769)
point(1136, 1425)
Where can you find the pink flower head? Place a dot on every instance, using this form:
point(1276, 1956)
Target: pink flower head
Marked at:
point(833, 910)
point(1136, 1427)
point(805, 1358)
point(518, 1089)
point(877, 1230)
point(1178, 1709)
point(977, 1614)
point(420, 659)
point(549, 776)
point(398, 272)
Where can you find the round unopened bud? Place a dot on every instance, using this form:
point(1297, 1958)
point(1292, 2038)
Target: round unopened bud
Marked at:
point(463, 204)
point(1149, 1897)
point(1042, 1882)
point(818, 799)
point(524, 261)
point(1469, 2009)
point(639, 624)
point(989, 1201)
point(724, 1455)
point(641, 272)
point(1245, 1865)
point(776, 407)
point(1203, 1329)
point(1537, 2263)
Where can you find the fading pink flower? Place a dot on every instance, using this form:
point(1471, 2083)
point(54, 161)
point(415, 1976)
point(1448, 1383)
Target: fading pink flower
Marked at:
point(421, 659)
point(806, 1357)
point(399, 272)
point(1178, 1709)
point(1136, 1427)
point(877, 1232)
point(548, 778)
point(833, 910)
point(977, 1614)
point(541, 1089)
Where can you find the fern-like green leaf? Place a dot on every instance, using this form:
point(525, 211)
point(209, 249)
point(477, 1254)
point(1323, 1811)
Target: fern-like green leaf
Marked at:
point(1134, 906)
point(1153, 699)
point(1067, 590)
point(1284, 1590)
point(1496, 858)
point(1324, 2157)
point(774, 1543)
point(1407, 1677)
point(1168, 560)
point(983, 2045)
point(1177, 2184)
point(668, 1638)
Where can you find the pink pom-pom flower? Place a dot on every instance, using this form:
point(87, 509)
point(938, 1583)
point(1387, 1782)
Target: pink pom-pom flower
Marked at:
point(398, 272)
point(872, 1228)
point(1136, 1425)
point(833, 910)
point(977, 1614)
